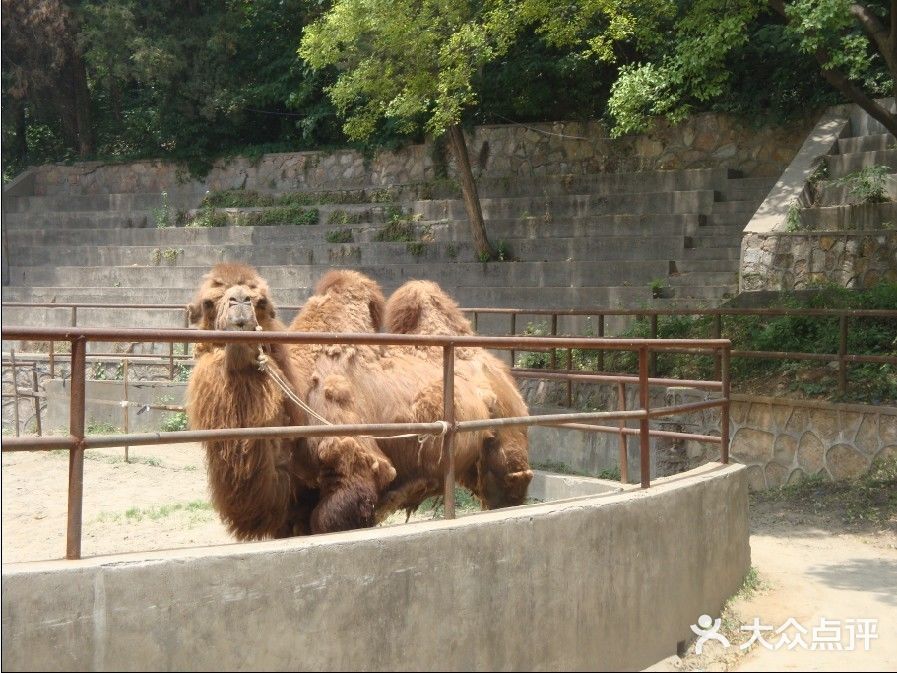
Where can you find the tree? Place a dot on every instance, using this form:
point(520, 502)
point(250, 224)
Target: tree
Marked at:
point(853, 43)
point(43, 63)
point(411, 62)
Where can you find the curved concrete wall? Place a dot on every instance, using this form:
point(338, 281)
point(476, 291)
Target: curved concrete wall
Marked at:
point(600, 582)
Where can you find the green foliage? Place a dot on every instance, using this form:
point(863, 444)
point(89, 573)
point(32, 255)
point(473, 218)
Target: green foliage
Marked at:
point(416, 248)
point(406, 62)
point(872, 383)
point(208, 216)
point(452, 251)
point(279, 215)
point(399, 227)
point(339, 236)
point(866, 185)
point(162, 215)
point(175, 422)
point(793, 220)
point(658, 285)
point(746, 58)
point(465, 503)
point(95, 427)
point(342, 217)
point(502, 251)
point(181, 373)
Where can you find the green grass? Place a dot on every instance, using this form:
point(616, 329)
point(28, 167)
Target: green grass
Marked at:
point(95, 427)
point(465, 502)
point(174, 422)
point(868, 499)
point(200, 510)
point(343, 235)
point(279, 215)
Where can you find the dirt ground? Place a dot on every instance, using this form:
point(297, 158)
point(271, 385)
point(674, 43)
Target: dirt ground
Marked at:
point(808, 565)
point(158, 501)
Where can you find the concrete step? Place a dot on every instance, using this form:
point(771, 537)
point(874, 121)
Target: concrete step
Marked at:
point(868, 216)
point(689, 279)
point(840, 165)
point(75, 220)
point(830, 193)
point(862, 124)
point(736, 220)
point(705, 265)
point(511, 274)
point(729, 253)
point(718, 230)
point(697, 201)
point(742, 208)
point(869, 143)
point(618, 248)
point(605, 183)
point(67, 203)
point(732, 240)
point(449, 230)
point(712, 293)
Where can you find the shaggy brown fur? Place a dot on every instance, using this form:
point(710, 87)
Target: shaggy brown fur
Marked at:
point(502, 475)
point(260, 487)
point(356, 383)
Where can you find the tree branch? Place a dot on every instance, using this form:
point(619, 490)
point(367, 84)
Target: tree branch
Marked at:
point(876, 32)
point(854, 93)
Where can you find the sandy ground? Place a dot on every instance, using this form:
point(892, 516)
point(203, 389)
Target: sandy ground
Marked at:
point(810, 566)
point(158, 501)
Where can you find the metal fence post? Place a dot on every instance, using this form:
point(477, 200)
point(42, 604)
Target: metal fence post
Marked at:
point(644, 437)
point(15, 388)
point(448, 440)
point(724, 412)
point(624, 453)
point(717, 334)
point(126, 407)
point(36, 390)
point(76, 455)
point(554, 332)
point(842, 355)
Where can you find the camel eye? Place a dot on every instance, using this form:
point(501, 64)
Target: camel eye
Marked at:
point(262, 303)
point(208, 304)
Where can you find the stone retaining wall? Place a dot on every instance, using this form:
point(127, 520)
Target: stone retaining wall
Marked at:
point(793, 261)
point(784, 440)
point(703, 141)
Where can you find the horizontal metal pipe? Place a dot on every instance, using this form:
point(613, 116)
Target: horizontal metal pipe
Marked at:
point(825, 357)
point(217, 336)
point(611, 378)
point(814, 312)
point(547, 419)
point(598, 310)
point(45, 443)
point(635, 431)
point(686, 408)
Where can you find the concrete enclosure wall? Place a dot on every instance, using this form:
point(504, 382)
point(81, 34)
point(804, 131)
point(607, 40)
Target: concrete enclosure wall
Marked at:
point(601, 582)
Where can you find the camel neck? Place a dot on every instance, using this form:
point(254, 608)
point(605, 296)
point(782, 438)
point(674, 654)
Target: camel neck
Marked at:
point(238, 357)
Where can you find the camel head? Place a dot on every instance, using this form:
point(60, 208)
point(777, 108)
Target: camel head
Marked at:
point(233, 297)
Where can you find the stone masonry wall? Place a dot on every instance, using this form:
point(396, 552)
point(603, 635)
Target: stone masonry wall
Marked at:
point(793, 261)
point(703, 141)
point(784, 440)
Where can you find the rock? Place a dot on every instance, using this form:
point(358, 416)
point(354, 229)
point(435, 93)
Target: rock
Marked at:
point(844, 462)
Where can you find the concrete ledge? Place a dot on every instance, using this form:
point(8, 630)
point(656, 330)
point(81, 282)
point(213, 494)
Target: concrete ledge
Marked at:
point(823, 139)
point(599, 583)
point(547, 486)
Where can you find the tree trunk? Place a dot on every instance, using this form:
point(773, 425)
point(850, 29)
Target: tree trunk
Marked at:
point(86, 147)
point(469, 192)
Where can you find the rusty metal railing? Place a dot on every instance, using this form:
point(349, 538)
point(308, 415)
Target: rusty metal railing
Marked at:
point(843, 357)
point(77, 442)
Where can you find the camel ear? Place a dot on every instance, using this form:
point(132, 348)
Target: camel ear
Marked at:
point(194, 313)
